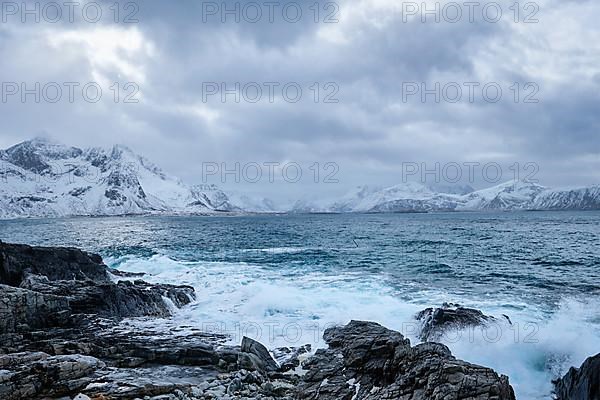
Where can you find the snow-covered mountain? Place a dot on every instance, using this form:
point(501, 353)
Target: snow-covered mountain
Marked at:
point(586, 198)
point(512, 195)
point(414, 197)
point(405, 197)
point(39, 178)
point(252, 203)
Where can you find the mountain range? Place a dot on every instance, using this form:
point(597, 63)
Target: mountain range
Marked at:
point(40, 178)
point(519, 195)
point(414, 197)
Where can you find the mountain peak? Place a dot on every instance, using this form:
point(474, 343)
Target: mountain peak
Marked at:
point(37, 154)
point(94, 181)
point(42, 146)
point(42, 140)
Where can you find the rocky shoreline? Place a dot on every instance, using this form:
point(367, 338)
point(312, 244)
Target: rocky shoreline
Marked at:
point(62, 336)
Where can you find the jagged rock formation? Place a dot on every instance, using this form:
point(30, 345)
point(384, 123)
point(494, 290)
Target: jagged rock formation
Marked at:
point(437, 321)
point(43, 287)
point(367, 361)
point(62, 333)
point(18, 261)
point(255, 356)
point(580, 383)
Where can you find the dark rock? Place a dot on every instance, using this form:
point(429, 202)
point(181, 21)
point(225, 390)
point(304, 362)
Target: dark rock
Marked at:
point(126, 274)
point(137, 383)
point(55, 263)
point(24, 310)
point(368, 361)
point(25, 156)
point(30, 375)
point(119, 300)
point(436, 321)
point(289, 358)
point(580, 383)
point(57, 282)
point(254, 356)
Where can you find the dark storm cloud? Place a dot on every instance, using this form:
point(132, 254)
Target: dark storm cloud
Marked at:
point(370, 54)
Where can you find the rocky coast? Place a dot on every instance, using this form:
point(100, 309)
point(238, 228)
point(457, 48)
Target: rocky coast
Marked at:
point(64, 334)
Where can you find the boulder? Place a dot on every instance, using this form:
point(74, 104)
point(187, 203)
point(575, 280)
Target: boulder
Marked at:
point(367, 361)
point(255, 356)
point(124, 299)
point(289, 358)
point(580, 383)
point(436, 321)
point(44, 286)
point(55, 263)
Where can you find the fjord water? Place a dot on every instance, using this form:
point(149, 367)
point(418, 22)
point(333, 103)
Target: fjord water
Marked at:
point(283, 279)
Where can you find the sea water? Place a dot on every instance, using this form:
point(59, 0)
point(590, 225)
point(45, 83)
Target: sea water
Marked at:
point(283, 279)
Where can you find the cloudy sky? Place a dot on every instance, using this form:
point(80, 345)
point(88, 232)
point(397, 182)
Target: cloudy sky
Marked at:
point(369, 72)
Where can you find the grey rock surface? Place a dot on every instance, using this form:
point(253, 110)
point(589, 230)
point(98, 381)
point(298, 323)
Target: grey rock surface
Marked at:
point(435, 322)
point(581, 383)
point(367, 361)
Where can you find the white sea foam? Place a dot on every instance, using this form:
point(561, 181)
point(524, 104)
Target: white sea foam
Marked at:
point(281, 250)
point(170, 305)
point(282, 310)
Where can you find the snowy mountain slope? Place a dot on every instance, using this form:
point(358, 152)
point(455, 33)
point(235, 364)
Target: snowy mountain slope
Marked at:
point(586, 198)
point(251, 203)
point(406, 197)
point(39, 178)
point(512, 195)
point(414, 197)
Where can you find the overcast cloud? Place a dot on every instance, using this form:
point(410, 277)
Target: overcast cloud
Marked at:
point(367, 58)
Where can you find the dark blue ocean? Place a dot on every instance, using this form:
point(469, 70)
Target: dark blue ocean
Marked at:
point(285, 278)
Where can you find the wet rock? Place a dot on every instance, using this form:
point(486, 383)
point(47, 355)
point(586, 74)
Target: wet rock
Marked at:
point(24, 310)
point(436, 321)
point(288, 358)
point(117, 300)
point(42, 287)
point(234, 386)
point(55, 263)
point(126, 383)
point(367, 361)
point(254, 356)
point(580, 383)
point(31, 375)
